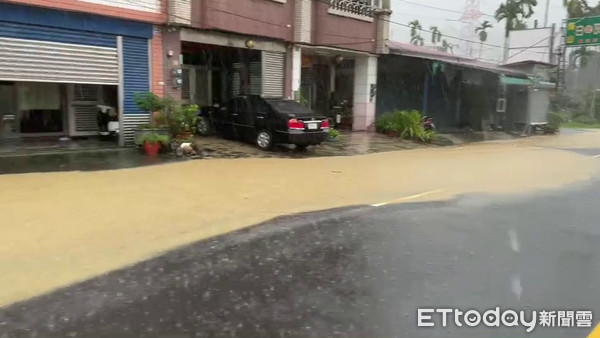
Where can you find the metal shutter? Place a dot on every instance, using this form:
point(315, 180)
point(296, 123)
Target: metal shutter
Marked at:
point(255, 78)
point(236, 79)
point(54, 34)
point(136, 79)
point(273, 74)
point(43, 61)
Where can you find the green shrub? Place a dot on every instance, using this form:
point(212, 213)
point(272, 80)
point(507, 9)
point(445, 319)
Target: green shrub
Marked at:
point(585, 119)
point(408, 123)
point(149, 102)
point(554, 122)
point(333, 133)
point(152, 138)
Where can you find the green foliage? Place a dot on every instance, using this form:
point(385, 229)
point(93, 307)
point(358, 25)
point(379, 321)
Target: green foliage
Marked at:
point(436, 35)
point(580, 8)
point(149, 102)
point(585, 119)
point(407, 123)
point(481, 30)
point(554, 121)
point(513, 12)
point(152, 138)
point(333, 133)
point(182, 118)
point(415, 37)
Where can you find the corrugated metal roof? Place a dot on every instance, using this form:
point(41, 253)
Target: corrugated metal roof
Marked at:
point(410, 50)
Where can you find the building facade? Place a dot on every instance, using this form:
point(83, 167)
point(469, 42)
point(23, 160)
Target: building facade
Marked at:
point(59, 60)
point(322, 52)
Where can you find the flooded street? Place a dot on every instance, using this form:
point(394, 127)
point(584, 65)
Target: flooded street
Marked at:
point(61, 228)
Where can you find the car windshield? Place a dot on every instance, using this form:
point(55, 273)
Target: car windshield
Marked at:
point(290, 107)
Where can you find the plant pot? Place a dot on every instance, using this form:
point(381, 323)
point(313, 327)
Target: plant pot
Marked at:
point(151, 130)
point(152, 149)
point(184, 135)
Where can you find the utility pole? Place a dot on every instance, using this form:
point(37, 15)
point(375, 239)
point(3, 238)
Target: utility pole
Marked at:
point(546, 14)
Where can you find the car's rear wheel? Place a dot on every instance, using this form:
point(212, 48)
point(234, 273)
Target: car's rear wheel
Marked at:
point(264, 140)
point(203, 126)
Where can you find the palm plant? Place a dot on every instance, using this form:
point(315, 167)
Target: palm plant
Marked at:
point(447, 47)
point(481, 31)
point(513, 12)
point(415, 37)
point(436, 35)
point(415, 27)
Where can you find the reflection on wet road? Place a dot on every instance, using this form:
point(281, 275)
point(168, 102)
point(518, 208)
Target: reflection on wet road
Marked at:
point(353, 272)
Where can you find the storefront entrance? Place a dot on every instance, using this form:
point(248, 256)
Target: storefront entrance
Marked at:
point(32, 109)
point(51, 84)
point(37, 109)
point(215, 73)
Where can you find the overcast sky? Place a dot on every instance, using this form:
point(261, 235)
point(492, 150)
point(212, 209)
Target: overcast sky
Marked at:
point(405, 11)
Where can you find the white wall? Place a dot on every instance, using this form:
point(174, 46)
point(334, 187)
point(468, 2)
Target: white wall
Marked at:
point(152, 6)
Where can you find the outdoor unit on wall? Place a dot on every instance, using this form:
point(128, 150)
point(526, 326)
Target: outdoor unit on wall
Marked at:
point(83, 99)
point(501, 106)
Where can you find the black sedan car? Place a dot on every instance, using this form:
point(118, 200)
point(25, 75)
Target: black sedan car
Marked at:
point(264, 122)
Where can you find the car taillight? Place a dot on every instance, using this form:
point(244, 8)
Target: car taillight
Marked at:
point(325, 124)
point(295, 124)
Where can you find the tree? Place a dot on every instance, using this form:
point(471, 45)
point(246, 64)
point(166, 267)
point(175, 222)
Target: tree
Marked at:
point(436, 35)
point(415, 37)
point(481, 31)
point(513, 13)
point(579, 8)
point(447, 47)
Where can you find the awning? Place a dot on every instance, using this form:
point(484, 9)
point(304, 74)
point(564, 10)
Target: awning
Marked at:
point(516, 81)
point(508, 80)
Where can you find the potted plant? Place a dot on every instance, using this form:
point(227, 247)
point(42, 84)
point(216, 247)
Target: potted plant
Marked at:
point(152, 103)
point(158, 108)
point(333, 134)
point(187, 120)
point(152, 142)
point(346, 116)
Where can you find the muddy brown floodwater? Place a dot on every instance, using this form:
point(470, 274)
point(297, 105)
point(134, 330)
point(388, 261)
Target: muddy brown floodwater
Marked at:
point(60, 228)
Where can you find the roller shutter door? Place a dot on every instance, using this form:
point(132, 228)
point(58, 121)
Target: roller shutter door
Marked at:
point(46, 54)
point(273, 74)
point(136, 79)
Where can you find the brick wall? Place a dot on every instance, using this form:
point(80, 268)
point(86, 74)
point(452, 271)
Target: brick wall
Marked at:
point(158, 70)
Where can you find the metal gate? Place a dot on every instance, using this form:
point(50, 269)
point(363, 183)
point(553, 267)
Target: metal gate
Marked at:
point(273, 74)
point(43, 61)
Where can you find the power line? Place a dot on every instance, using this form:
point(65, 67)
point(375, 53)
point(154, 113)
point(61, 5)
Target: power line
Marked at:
point(439, 8)
point(143, 5)
point(456, 38)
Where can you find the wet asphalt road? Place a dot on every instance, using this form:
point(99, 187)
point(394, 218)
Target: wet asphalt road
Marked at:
point(354, 272)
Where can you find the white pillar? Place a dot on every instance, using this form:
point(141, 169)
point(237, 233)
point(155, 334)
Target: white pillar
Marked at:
point(365, 76)
point(332, 68)
point(296, 65)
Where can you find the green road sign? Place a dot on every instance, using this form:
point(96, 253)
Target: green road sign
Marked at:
point(583, 31)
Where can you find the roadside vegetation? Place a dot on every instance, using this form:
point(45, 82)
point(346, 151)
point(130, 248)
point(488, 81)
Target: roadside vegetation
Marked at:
point(406, 124)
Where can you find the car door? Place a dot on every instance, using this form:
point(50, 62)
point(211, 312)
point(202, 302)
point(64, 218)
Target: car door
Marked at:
point(243, 117)
point(263, 115)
